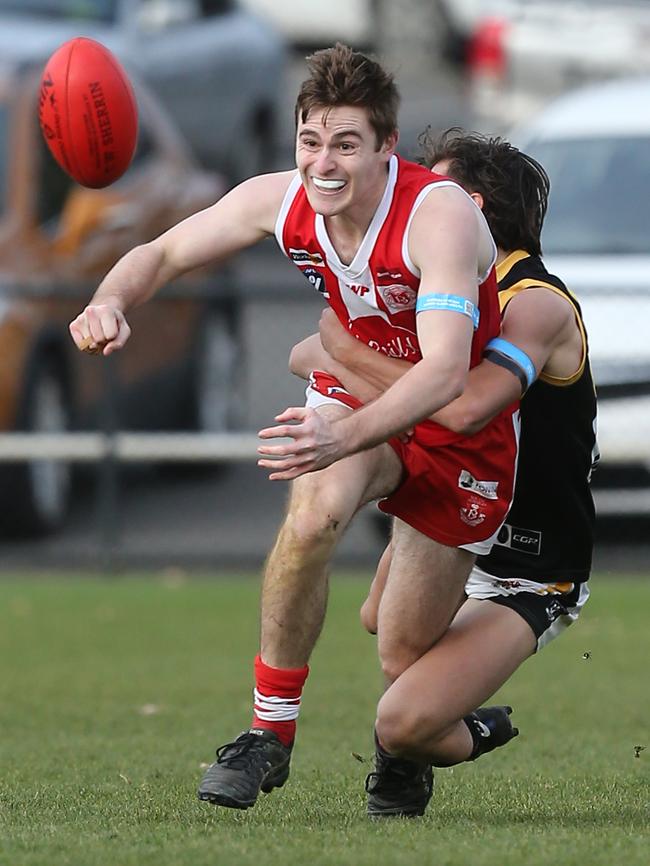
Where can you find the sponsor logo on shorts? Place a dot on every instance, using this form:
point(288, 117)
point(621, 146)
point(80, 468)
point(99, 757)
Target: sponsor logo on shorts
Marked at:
point(555, 609)
point(304, 257)
point(507, 583)
point(472, 514)
point(523, 540)
point(398, 297)
point(486, 489)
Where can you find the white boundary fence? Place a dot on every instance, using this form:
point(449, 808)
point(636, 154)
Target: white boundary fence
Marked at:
point(623, 436)
point(129, 447)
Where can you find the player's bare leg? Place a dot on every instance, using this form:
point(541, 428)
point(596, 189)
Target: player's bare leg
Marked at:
point(514, 645)
point(424, 588)
point(421, 715)
point(321, 506)
point(428, 717)
point(370, 608)
point(294, 598)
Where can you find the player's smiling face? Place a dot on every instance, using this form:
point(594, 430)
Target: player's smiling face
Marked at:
point(338, 160)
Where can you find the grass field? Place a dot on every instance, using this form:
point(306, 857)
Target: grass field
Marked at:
point(112, 694)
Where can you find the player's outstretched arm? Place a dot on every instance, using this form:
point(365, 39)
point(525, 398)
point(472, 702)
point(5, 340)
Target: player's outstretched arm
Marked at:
point(241, 218)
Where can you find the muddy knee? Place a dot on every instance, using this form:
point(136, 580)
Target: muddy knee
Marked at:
point(315, 519)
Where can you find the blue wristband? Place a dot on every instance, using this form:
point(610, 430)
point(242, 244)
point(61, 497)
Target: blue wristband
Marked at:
point(453, 303)
point(520, 358)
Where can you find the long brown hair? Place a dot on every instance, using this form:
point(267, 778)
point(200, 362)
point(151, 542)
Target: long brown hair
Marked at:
point(514, 186)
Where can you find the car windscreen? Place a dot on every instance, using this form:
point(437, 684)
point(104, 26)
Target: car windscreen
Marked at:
point(88, 10)
point(599, 202)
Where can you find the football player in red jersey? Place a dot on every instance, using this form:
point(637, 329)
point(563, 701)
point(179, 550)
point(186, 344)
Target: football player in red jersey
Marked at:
point(405, 260)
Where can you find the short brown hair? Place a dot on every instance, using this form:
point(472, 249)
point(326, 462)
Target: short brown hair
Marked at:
point(514, 186)
point(341, 76)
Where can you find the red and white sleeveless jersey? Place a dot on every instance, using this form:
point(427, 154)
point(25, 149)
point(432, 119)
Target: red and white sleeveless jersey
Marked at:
point(374, 296)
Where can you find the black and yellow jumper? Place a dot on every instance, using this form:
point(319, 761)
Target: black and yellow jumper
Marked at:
point(548, 535)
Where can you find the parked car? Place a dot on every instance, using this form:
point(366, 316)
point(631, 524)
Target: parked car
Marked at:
point(595, 145)
point(217, 68)
point(57, 240)
point(524, 54)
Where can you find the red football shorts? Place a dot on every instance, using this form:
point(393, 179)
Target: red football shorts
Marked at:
point(457, 493)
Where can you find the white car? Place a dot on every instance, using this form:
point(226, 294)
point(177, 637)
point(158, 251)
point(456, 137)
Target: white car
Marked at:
point(595, 146)
point(527, 53)
point(315, 25)
point(216, 67)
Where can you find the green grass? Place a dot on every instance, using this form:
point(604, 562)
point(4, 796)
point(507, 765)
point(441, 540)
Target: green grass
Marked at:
point(112, 694)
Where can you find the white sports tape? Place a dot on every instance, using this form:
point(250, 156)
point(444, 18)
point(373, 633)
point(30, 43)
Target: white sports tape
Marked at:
point(273, 709)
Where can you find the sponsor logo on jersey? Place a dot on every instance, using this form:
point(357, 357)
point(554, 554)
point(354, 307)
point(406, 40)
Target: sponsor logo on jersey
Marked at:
point(398, 347)
point(317, 280)
point(523, 540)
point(390, 275)
point(304, 257)
point(397, 297)
point(486, 489)
point(472, 514)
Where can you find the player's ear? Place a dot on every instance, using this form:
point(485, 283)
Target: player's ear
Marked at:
point(478, 198)
point(390, 143)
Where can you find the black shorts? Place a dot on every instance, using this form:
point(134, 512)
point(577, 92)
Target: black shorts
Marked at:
point(548, 608)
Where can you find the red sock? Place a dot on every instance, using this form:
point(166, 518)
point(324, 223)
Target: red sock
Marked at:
point(277, 699)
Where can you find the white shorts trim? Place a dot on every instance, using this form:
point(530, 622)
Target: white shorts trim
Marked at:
point(314, 399)
point(481, 585)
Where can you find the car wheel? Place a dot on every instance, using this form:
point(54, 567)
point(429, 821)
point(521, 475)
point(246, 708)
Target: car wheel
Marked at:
point(36, 494)
point(216, 391)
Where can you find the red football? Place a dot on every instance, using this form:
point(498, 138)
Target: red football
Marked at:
point(88, 113)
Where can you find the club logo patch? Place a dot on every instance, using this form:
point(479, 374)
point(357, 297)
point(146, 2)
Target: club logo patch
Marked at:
point(397, 297)
point(472, 514)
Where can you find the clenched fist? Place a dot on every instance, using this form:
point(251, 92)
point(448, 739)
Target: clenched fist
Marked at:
point(100, 328)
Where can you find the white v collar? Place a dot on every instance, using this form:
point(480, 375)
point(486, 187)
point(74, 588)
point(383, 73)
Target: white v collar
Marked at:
point(360, 261)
